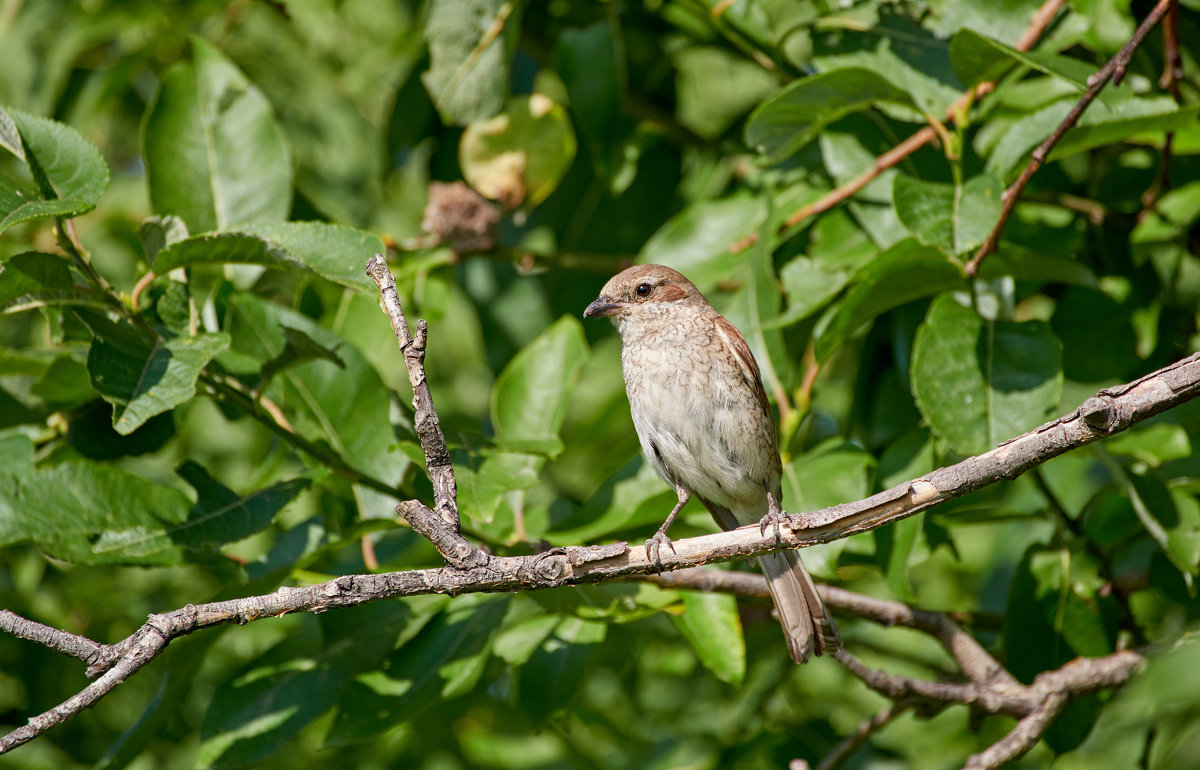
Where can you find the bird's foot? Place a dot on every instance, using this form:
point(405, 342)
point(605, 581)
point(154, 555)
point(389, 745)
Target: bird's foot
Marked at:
point(772, 521)
point(654, 545)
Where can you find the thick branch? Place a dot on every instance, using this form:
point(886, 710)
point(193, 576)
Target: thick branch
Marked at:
point(1114, 71)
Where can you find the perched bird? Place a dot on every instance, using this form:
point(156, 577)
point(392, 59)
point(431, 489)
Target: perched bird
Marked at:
point(702, 417)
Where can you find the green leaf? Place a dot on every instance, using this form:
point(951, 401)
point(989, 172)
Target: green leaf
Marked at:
point(951, 218)
point(1098, 126)
point(897, 543)
point(215, 156)
point(65, 384)
point(222, 516)
point(516, 644)
point(1026, 265)
point(782, 125)
point(1097, 335)
point(142, 377)
point(697, 241)
point(345, 407)
point(442, 662)
point(334, 252)
point(551, 678)
point(977, 58)
point(298, 348)
point(1151, 720)
point(640, 501)
point(16, 455)
point(482, 487)
point(850, 149)
point(32, 280)
point(715, 87)
point(10, 135)
point(470, 45)
point(64, 164)
point(529, 398)
point(808, 288)
point(903, 273)
point(979, 382)
point(18, 206)
point(255, 715)
point(591, 63)
point(92, 514)
point(711, 625)
point(1152, 444)
point(519, 156)
point(156, 233)
point(1056, 612)
point(261, 708)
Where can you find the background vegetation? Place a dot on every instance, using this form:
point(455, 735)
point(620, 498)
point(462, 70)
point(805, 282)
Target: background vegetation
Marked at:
point(200, 399)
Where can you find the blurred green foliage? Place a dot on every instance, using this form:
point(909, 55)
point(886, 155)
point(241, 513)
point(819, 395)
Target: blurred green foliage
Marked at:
point(188, 195)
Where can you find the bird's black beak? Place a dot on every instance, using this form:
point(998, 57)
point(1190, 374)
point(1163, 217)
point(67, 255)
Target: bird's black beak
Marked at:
point(603, 306)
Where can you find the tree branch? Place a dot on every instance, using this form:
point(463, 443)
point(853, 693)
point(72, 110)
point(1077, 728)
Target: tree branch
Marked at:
point(1110, 411)
point(853, 742)
point(991, 689)
point(1114, 71)
point(441, 526)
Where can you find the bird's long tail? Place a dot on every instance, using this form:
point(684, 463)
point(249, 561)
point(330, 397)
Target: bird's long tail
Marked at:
point(806, 623)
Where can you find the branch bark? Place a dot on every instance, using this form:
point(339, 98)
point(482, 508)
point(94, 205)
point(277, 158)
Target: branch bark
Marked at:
point(989, 689)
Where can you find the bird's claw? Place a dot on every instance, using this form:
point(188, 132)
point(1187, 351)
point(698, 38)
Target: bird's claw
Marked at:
point(654, 545)
point(773, 520)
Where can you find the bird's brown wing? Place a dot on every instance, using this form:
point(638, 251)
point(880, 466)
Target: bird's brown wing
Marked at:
point(733, 340)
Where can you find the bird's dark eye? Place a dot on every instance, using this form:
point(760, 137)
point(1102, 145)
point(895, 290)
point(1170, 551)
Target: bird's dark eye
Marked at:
point(643, 289)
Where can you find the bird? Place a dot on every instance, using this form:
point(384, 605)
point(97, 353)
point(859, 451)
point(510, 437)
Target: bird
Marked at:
point(704, 424)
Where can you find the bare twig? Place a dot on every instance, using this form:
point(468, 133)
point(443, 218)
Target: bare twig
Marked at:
point(60, 641)
point(440, 525)
point(1113, 71)
point(1037, 26)
point(1172, 73)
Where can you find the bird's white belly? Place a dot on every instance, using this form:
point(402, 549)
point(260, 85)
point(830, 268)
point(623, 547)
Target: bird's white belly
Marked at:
point(696, 441)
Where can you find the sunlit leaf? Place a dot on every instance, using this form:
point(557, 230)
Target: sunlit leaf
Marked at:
point(215, 156)
point(979, 382)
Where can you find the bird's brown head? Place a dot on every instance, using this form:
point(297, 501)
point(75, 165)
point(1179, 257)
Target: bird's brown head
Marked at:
point(634, 291)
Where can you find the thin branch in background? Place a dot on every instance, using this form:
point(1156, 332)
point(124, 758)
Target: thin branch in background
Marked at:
point(856, 740)
point(135, 296)
point(1169, 82)
point(1037, 26)
point(990, 688)
point(1113, 71)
